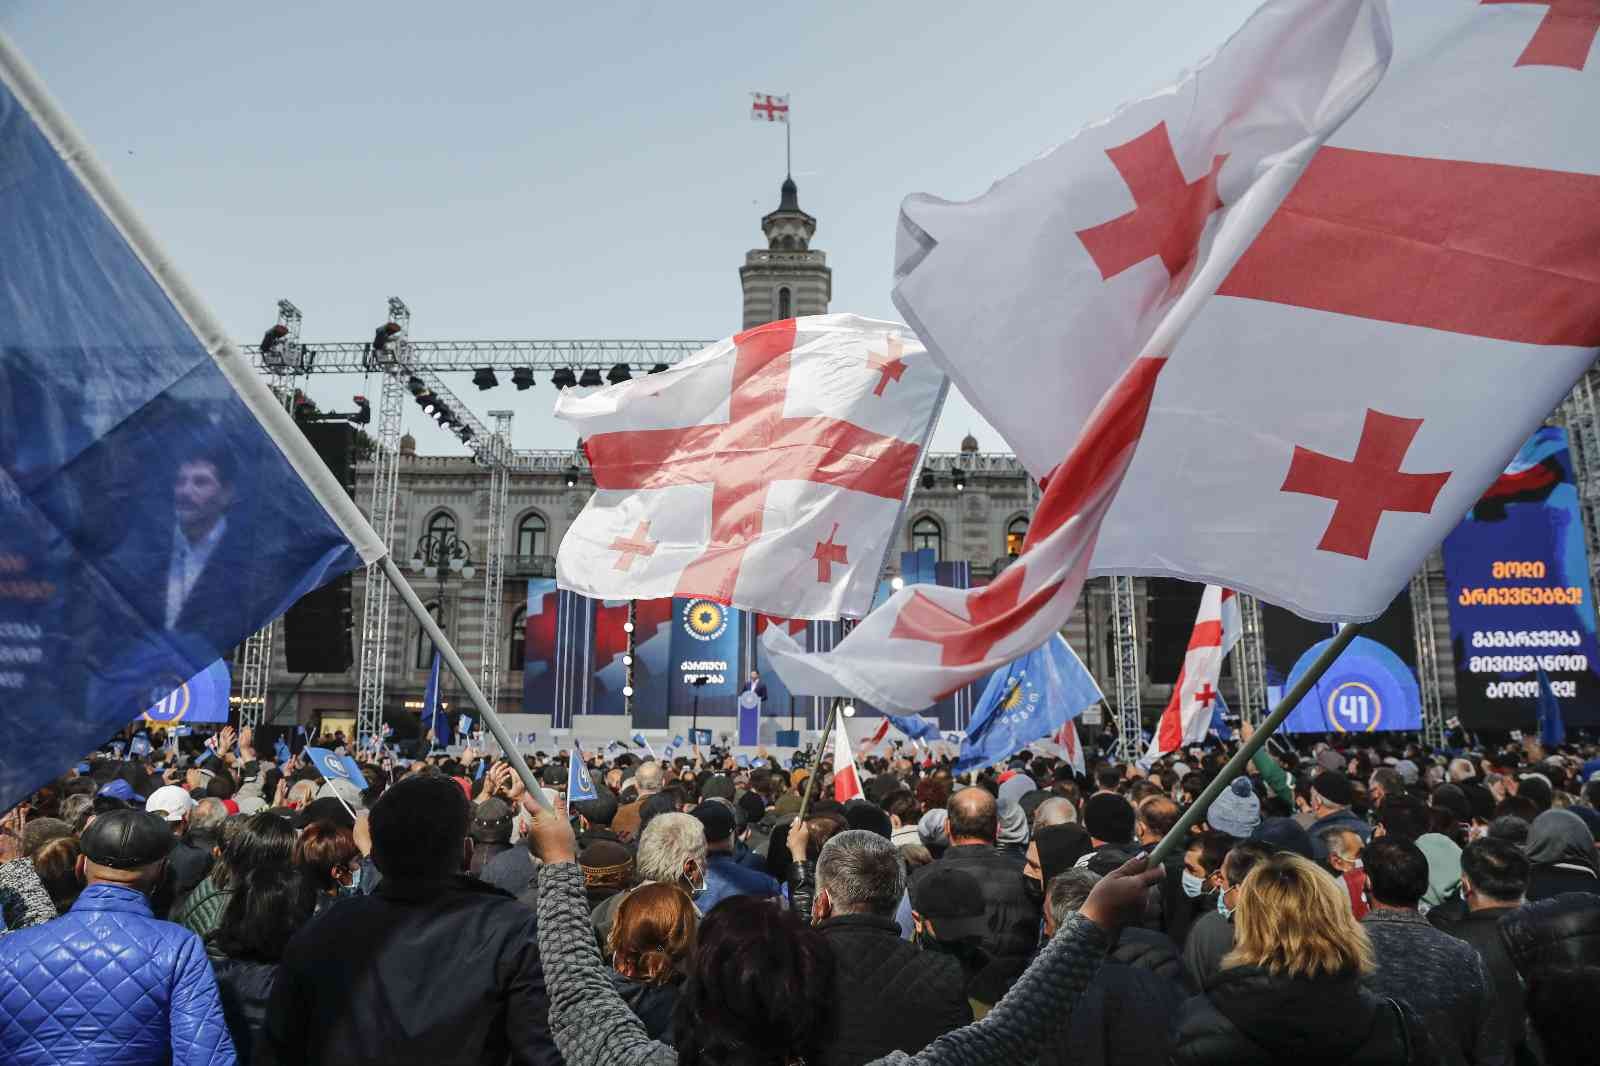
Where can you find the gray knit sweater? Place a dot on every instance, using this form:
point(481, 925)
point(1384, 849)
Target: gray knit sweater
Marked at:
point(594, 1027)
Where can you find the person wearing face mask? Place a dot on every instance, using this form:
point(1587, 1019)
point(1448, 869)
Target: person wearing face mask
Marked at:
point(327, 857)
point(1202, 860)
point(672, 851)
point(1344, 858)
point(1211, 937)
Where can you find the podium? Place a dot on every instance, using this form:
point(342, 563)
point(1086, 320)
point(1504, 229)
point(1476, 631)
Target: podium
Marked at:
point(749, 719)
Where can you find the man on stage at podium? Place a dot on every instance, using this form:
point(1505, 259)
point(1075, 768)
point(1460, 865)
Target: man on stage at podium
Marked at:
point(751, 696)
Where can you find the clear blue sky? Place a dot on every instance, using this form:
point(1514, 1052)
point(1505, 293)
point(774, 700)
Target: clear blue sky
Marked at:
point(513, 170)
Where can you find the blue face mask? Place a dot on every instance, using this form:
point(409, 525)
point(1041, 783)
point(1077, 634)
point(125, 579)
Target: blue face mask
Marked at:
point(1192, 885)
point(1222, 905)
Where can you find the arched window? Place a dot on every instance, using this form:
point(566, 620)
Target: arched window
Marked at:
point(533, 536)
point(442, 524)
point(1016, 533)
point(519, 640)
point(926, 532)
point(784, 304)
point(424, 645)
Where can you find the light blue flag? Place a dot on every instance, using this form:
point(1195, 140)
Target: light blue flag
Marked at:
point(335, 767)
point(1552, 728)
point(432, 717)
point(1025, 701)
point(639, 741)
point(580, 786)
point(158, 505)
point(202, 698)
point(1219, 726)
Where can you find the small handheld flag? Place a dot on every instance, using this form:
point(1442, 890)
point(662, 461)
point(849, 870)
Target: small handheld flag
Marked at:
point(639, 741)
point(335, 767)
point(846, 782)
point(432, 718)
point(580, 786)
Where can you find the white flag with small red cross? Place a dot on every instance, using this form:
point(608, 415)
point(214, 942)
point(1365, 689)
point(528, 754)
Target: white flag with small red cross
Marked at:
point(1187, 718)
point(767, 471)
point(846, 782)
point(1345, 268)
point(769, 107)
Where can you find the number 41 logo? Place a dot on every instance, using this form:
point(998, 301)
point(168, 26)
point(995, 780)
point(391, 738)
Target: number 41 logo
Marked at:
point(1354, 707)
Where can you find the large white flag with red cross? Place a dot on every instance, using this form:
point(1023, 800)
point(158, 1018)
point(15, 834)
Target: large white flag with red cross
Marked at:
point(1348, 266)
point(767, 471)
point(1188, 715)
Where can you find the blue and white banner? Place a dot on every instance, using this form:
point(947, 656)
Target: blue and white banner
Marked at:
point(202, 698)
point(158, 504)
point(1025, 701)
point(580, 786)
point(335, 767)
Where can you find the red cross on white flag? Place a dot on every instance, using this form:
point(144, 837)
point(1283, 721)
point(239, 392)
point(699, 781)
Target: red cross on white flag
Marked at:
point(764, 472)
point(1279, 325)
point(1187, 718)
point(769, 107)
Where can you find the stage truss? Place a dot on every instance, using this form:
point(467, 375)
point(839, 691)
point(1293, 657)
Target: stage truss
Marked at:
point(1130, 726)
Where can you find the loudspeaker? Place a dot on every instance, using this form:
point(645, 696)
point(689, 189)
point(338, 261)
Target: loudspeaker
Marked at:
point(1172, 605)
point(316, 630)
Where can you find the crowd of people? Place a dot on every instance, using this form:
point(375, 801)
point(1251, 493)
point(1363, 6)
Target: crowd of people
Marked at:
point(1367, 900)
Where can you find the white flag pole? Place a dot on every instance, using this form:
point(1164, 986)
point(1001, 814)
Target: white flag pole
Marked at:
point(1235, 766)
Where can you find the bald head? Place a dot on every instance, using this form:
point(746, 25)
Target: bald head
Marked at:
point(974, 818)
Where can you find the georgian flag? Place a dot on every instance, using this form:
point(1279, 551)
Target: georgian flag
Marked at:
point(767, 471)
point(846, 782)
point(1282, 322)
point(1187, 719)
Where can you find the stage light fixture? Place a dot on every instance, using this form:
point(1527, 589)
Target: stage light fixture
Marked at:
point(572, 476)
point(619, 373)
point(958, 478)
point(928, 480)
point(522, 378)
point(564, 378)
point(484, 378)
point(590, 378)
point(627, 660)
point(897, 582)
point(627, 690)
point(382, 336)
point(627, 627)
point(660, 368)
point(849, 710)
point(465, 433)
point(416, 385)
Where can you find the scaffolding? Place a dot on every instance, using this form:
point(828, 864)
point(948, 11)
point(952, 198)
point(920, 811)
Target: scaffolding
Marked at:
point(1250, 662)
point(1582, 419)
point(385, 482)
point(495, 455)
point(255, 670)
point(1130, 724)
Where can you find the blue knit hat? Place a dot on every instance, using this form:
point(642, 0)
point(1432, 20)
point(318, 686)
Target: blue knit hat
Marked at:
point(1237, 811)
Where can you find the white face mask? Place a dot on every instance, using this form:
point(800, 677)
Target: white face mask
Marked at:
point(696, 890)
point(1192, 885)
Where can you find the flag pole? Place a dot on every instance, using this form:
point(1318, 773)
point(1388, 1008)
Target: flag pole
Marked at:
point(816, 771)
point(1236, 765)
point(442, 644)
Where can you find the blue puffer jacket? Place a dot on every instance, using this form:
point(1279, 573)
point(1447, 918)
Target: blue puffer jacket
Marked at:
point(109, 983)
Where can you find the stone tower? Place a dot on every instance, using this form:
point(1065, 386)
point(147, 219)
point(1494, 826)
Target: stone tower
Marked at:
point(787, 278)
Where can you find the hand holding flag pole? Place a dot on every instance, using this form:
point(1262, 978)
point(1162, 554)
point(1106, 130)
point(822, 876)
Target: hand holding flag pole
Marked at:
point(1236, 765)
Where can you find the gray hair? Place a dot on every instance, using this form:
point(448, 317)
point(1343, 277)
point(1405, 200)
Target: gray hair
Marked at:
point(1462, 770)
point(75, 811)
point(1336, 840)
point(861, 872)
point(669, 841)
point(208, 815)
point(1068, 893)
point(1058, 810)
point(647, 778)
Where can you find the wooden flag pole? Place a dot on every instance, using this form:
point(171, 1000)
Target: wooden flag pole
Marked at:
point(816, 769)
point(1236, 765)
point(446, 651)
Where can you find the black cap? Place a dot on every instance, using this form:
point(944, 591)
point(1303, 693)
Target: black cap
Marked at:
point(1108, 817)
point(952, 900)
point(718, 820)
point(326, 809)
point(1334, 787)
point(1285, 834)
point(126, 840)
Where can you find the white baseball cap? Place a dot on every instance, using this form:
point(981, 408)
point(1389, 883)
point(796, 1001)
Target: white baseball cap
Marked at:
point(171, 802)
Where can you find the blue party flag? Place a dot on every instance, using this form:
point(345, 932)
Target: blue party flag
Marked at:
point(334, 767)
point(1024, 701)
point(432, 717)
point(580, 786)
point(1552, 729)
point(159, 504)
point(914, 726)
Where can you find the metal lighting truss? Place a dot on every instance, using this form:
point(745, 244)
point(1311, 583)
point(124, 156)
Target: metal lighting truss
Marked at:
point(385, 481)
point(254, 671)
point(1130, 728)
point(495, 453)
point(1427, 654)
point(356, 357)
point(1582, 418)
point(1250, 663)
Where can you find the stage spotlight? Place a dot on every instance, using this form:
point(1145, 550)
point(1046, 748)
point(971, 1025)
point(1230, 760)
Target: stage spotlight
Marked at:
point(958, 478)
point(465, 433)
point(363, 413)
point(660, 368)
point(564, 378)
point(416, 385)
point(382, 336)
point(627, 660)
point(522, 378)
point(849, 710)
point(572, 476)
point(484, 378)
point(619, 374)
point(928, 480)
point(590, 378)
point(627, 627)
point(627, 690)
point(897, 582)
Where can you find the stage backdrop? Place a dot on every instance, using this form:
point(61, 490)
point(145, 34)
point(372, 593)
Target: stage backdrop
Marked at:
point(1517, 574)
point(1371, 688)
